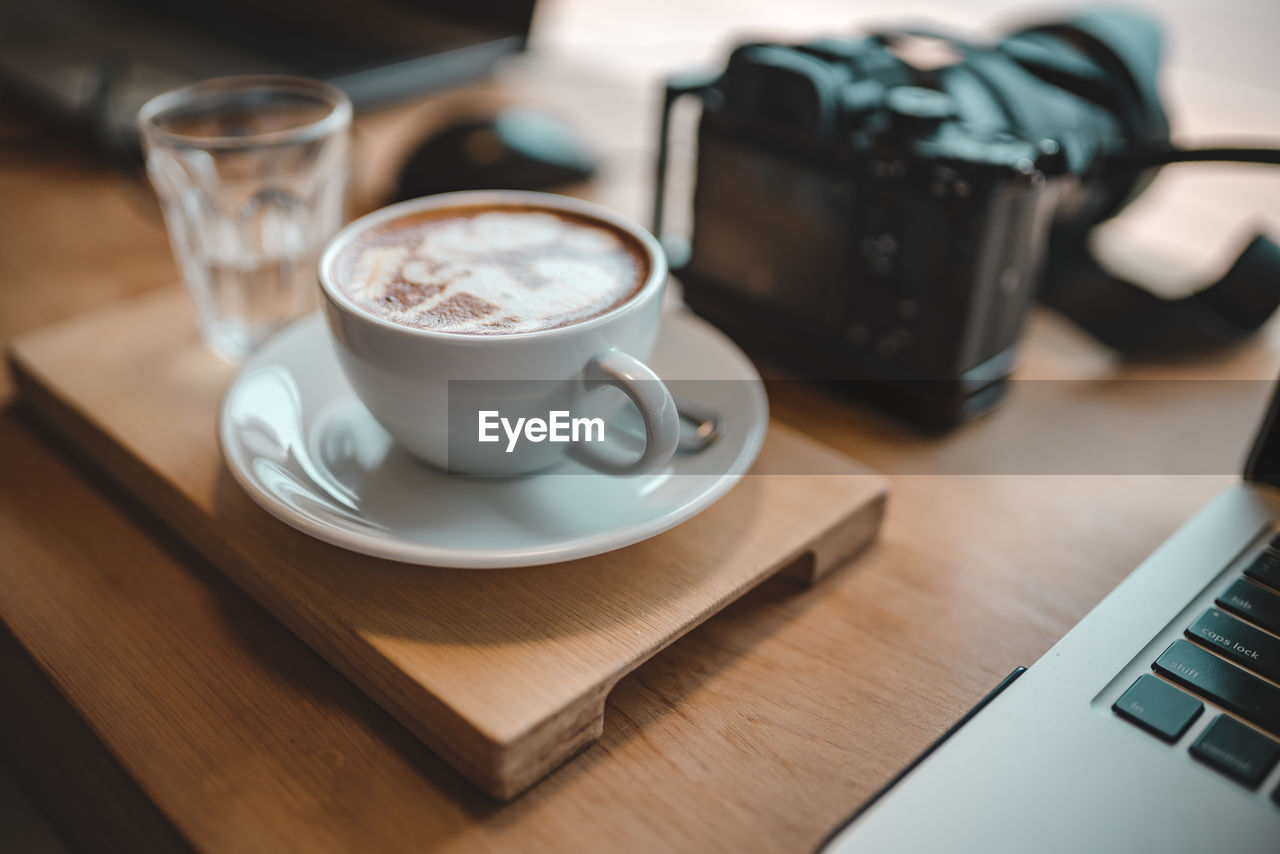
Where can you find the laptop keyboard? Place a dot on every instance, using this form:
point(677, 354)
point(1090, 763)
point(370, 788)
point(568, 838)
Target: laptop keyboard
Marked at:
point(1230, 657)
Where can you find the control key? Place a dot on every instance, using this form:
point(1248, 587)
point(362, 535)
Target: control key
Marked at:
point(1241, 752)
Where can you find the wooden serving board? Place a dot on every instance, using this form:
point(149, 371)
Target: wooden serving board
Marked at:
point(503, 672)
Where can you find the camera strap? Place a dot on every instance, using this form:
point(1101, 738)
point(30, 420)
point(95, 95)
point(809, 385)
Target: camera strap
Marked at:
point(1121, 314)
point(1133, 321)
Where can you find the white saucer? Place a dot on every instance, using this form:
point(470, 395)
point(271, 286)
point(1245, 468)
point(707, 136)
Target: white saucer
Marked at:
point(296, 438)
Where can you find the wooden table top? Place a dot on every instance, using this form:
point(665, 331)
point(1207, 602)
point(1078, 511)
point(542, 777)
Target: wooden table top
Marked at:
point(157, 705)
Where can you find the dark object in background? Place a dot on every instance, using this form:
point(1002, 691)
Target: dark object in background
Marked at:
point(90, 64)
point(518, 149)
point(885, 224)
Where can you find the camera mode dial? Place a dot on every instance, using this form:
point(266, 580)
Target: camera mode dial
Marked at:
point(919, 110)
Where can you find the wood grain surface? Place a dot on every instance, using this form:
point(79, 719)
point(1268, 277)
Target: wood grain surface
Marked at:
point(503, 673)
point(148, 701)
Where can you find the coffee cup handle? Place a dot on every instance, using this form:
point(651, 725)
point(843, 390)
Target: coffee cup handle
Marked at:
point(652, 400)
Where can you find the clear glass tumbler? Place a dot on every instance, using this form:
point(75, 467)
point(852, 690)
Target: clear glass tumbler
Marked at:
point(252, 176)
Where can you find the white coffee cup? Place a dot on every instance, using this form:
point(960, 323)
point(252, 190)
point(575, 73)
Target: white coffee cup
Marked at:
point(429, 388)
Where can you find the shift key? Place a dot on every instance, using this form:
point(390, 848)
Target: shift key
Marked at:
point(1252, 602)
point(1236, 690)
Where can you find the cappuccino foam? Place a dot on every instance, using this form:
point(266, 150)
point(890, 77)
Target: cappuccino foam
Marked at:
point(491, 270)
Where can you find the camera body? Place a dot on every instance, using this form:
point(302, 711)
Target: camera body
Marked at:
point(883, 226)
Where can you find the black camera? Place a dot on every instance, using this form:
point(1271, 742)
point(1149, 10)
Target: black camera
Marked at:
point(885, 223)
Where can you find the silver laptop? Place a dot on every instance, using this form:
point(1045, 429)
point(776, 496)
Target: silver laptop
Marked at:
point(1154, 725)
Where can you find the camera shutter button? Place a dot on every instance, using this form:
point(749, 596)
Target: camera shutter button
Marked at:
point(920, 108)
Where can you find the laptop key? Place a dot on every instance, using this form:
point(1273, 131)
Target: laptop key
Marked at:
point(1266, 569)
point(1252, 602)
point(1238, 641)
point(1241, 752)
point(1236, 690)
point(1158, 707)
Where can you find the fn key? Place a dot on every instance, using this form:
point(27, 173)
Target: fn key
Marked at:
point(1158, 707)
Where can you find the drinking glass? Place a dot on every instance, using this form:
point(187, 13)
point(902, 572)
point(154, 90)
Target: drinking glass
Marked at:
point(252, 176)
